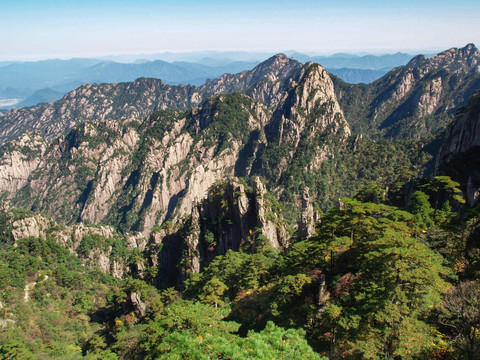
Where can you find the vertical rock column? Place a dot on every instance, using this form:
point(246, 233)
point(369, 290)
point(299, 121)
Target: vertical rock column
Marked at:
point(306, 228)
point(269, 229)
point(193, 241)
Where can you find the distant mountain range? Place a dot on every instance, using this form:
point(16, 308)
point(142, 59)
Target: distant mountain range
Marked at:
point(30, 83)
point(366, 62)
point(357, 76)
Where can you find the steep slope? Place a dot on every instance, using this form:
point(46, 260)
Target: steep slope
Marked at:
point(137, 175)
point(459, 156)
point(18, 160)
point(304, 131)
point(140, 98)
point(133, 175)
point(104, 101)
point(415, 100)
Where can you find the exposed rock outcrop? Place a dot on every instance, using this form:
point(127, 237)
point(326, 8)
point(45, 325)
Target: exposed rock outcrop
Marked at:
point(29, 226)
point(138, 304)
point(276, 235)
point(415, 100)
point(459, 156)
point(71, 237)
point(310, 105)
point(138, 175)
point(306, 227)
point(18, 160)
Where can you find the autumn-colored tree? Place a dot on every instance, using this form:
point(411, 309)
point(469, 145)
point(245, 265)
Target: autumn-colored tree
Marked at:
point(461, 315)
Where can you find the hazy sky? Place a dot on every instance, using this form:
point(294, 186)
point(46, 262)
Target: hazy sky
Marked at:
point(39, 29)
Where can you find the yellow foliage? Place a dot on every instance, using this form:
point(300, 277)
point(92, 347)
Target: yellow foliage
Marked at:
point(460, 265)
point(75, 348)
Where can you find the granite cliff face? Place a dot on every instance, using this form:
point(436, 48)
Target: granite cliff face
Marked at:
point(414, 100)
point(459, 156)
point(136, 175)
point(464, 133)
point(18, 160)
point(232, 216)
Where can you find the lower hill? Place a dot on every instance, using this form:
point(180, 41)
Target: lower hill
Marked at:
point(40, 96)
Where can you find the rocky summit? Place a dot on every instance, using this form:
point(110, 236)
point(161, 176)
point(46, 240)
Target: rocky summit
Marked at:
point(414, 100)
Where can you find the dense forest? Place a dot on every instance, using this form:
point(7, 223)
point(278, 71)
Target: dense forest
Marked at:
point(376, 280)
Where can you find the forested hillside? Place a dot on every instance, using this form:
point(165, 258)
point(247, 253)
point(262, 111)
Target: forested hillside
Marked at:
point(374, 280)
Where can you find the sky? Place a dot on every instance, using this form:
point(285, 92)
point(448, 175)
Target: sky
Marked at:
point(44, 29)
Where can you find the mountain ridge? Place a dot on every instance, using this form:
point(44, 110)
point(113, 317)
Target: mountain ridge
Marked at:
point(415, 100)
point(138, 98)
point(389, 103)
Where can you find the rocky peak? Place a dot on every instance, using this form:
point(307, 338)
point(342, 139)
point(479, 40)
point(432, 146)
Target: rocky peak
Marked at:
point(311, 103)
point(316, 88)
point(275, 67)
point(455, 60)
point(277, 59)
point(266, 82)
point(470, 50)
point(467, 57)
point(417, 61)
